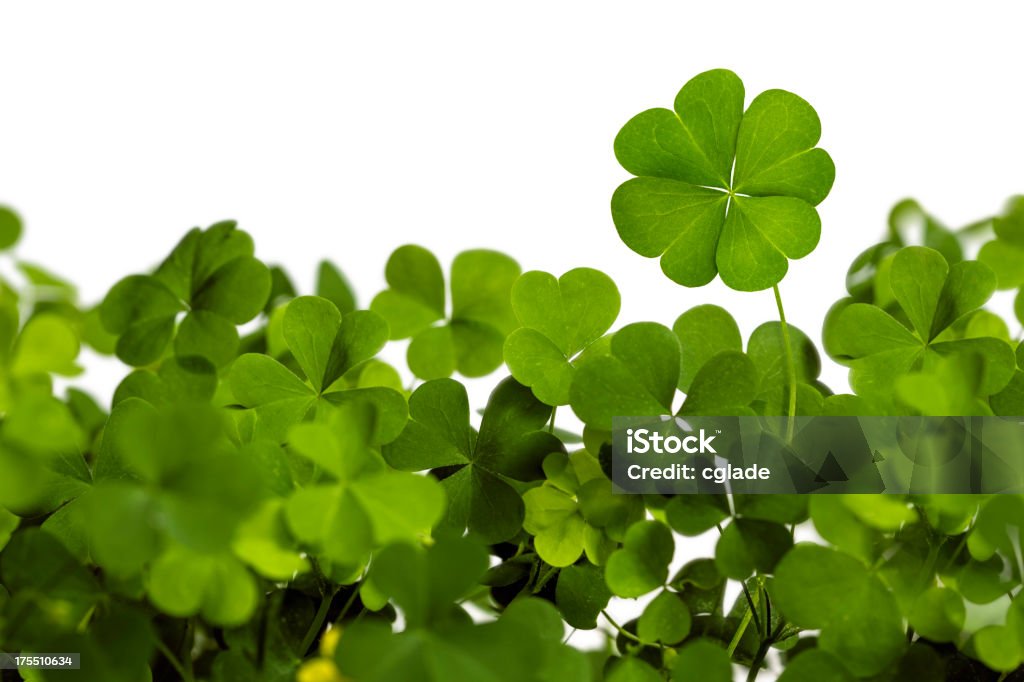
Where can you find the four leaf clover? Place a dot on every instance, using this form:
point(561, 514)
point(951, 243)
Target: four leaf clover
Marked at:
point(720, 190)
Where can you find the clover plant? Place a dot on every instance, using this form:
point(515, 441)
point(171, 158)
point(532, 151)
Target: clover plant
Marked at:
point(264, 497)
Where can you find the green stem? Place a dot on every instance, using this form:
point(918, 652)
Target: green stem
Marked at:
point(348, 603)
point(738, 635)
point(173, 660)
point(624, 633)
point(551, 426)
point(790, 366)
point(318, 622)
point(753, 609)
point(755, 665)
point(543, 579)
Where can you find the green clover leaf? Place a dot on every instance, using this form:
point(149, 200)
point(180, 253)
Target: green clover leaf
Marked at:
point(641, 564)
point(212, 277)
point(477, 471)
point(470, 339)
point(666, 619)
point(932, 296)
point(425, 582)
point(749, 545)
point(575, 510)
point(581, 594)
point(719, 190)
point(702, 660)
point(10, 228)
point(329, 349)
point(636, 377)
point(860, 621)
point(183, 582)
point(561, 318)
point(360, 505)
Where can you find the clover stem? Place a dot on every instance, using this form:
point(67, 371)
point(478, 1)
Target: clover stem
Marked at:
point(790, 366)
point(318, 621)
point(551, 425)
point(173, 660)
point(738, 635)
point(625, 633)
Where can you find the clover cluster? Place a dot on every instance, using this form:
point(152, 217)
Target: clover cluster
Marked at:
point(265, 498)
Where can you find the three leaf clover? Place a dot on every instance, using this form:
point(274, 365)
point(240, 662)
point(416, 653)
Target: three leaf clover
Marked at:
point(560, 317)
point(932, 296)
point(212, 277)
point(470, 339)
point(575, 511)
point(479, 472)
point(359, 505)
point(720, 190)
point(326, 346)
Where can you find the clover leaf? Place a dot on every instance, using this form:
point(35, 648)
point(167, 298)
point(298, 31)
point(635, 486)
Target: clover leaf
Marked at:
point(641, 564)
point(637, 376)
point(860, 622)
point(425, 582)
point(470, 339)
point(212, 277)
point(719, 190)
point(478, 471)
point(359, 505)
point(10, 228)
point(932, 296)
point(326, 347)
point(560, 317)
point(575, 510)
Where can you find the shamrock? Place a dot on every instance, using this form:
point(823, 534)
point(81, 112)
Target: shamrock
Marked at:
point(479, 472)
point(560, 317)
point(719, 190)
point(641, 564)
point(639, 373)
point(470, 339)
point(860, 621)
point(1005, 253)
point(932, 296)
point(359, 505)
point(575, 510)
point(326, 346)
point(212, 277)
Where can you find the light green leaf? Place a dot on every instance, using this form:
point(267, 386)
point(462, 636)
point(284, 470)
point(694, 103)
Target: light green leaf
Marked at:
point(48, 343)
point(641, 565)
point(183, 583)
point(666, 619)
point(938, 614)
point(560, 318)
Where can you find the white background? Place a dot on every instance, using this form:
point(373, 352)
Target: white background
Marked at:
point(342, 130)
